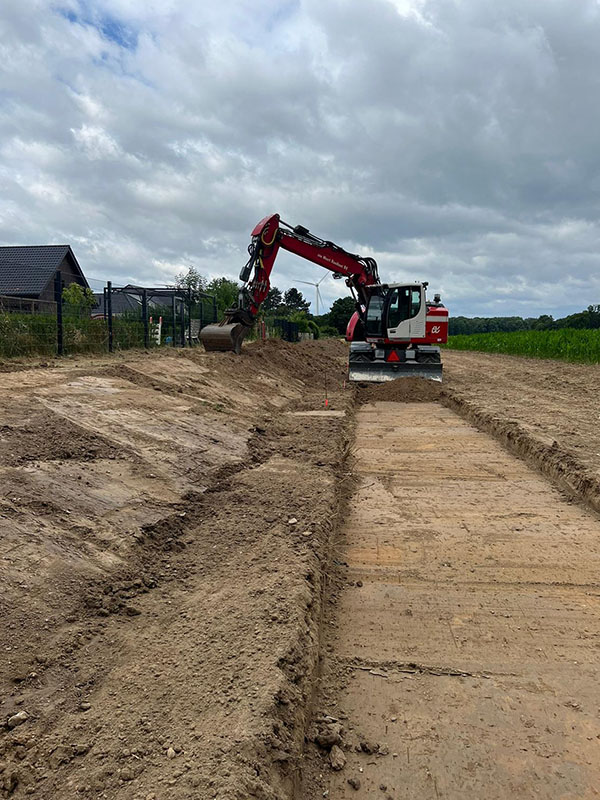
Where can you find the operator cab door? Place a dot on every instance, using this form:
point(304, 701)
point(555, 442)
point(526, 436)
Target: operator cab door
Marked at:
point(375, 314)
point(406, 313)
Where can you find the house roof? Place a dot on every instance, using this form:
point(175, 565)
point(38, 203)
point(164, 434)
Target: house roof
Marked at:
point(27, 270)
point(122, 302)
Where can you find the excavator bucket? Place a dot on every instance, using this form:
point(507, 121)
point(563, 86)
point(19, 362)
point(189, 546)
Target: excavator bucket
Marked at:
point(224, 337)
point(367, 365)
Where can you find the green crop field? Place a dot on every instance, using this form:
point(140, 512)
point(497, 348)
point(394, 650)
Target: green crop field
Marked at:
point(568, 344)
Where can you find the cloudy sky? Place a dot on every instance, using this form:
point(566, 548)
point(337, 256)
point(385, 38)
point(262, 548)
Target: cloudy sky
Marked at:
point(456, 141)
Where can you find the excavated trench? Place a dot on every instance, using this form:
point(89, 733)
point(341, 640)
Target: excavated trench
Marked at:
point(460, 658)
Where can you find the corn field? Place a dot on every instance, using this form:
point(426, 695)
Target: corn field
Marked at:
point(568, 344)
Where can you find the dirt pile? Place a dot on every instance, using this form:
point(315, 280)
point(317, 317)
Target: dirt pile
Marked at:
point(163, 569)
point(402, 390)
point(46, 437)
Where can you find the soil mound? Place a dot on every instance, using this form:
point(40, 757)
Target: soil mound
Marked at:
point(403, 390)
point(48, 437)
point(312, 361)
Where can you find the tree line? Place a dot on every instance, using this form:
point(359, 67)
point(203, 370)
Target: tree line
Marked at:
point(590, 318)
point(290, 305)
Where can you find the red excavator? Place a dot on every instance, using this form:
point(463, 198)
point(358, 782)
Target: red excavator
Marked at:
point(395, 331)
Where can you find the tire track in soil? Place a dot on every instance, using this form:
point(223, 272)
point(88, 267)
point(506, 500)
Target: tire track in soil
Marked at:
point(461, 660)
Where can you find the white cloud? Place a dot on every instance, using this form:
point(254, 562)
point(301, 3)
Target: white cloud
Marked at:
point(454, 141)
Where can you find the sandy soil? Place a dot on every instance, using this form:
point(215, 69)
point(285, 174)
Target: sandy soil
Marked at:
point(460, 657)
point(164, 524)
point(188, 540)
point(553, 400)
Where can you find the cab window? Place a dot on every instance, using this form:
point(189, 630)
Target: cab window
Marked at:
point(405, 303)
point(399, 307)
point(415, 301)
point(374, 312)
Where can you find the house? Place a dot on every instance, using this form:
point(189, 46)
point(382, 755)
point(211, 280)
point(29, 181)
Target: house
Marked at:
point(129, 298)
point(30, 271)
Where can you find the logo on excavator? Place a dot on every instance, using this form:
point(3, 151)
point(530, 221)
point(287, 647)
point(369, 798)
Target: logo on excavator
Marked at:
point(436, 329)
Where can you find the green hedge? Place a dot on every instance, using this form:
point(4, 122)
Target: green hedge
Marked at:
point(24, 335)
point(27, 335)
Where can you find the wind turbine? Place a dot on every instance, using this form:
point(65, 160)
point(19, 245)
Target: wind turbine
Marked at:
point(318, 291)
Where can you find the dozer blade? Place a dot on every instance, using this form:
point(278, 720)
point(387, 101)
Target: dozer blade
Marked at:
point(382, 371)
point(224, 337)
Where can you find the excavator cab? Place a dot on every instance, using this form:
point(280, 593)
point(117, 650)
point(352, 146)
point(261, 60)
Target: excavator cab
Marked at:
point(401, 335)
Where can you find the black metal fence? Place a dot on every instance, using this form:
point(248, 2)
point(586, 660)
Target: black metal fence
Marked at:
point(288, 331)
point(155, 315)
point(123, 317)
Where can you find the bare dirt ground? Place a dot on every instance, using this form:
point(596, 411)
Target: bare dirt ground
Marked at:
point(164, 528)
point(555, 400)
point(188, 540)
point(461, 657)
point(550, 403)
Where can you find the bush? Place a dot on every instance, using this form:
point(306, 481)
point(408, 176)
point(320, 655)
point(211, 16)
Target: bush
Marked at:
point(327, 331)
point(314, 329)
point(27, 335)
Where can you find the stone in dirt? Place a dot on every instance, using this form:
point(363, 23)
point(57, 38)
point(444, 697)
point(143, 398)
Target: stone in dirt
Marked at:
point(368, 747)
point(329, 735)
point(337, 758)
point(60, 755)
point(17, 719)
point(354, 783)
point(10, 782)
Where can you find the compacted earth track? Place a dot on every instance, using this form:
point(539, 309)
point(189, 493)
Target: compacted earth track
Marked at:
point(462, 658)
point(164, 530)
point(217, 586)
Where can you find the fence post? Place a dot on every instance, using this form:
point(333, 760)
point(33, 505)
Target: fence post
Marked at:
point(182, 321)
point(109, 315)
point(59, 310)
point(190, 315)
point(214, 319)
point(145, 317)
point(174, 313)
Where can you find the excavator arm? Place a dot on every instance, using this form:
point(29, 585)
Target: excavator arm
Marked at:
point(269, 235)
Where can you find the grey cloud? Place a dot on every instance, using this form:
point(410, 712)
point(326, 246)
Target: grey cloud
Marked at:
point(455, 142)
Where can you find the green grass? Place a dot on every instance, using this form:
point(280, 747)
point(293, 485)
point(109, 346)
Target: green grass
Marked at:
point(23, 335)
point(567, 344)
point(27, 335)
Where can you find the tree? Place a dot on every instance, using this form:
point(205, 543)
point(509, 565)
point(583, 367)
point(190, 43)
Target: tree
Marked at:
point(301, 320)
point(193, 280)
point(273, 300)
point(226, 292)
point(340, 313)
point(295, 301)
point(80, 297)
